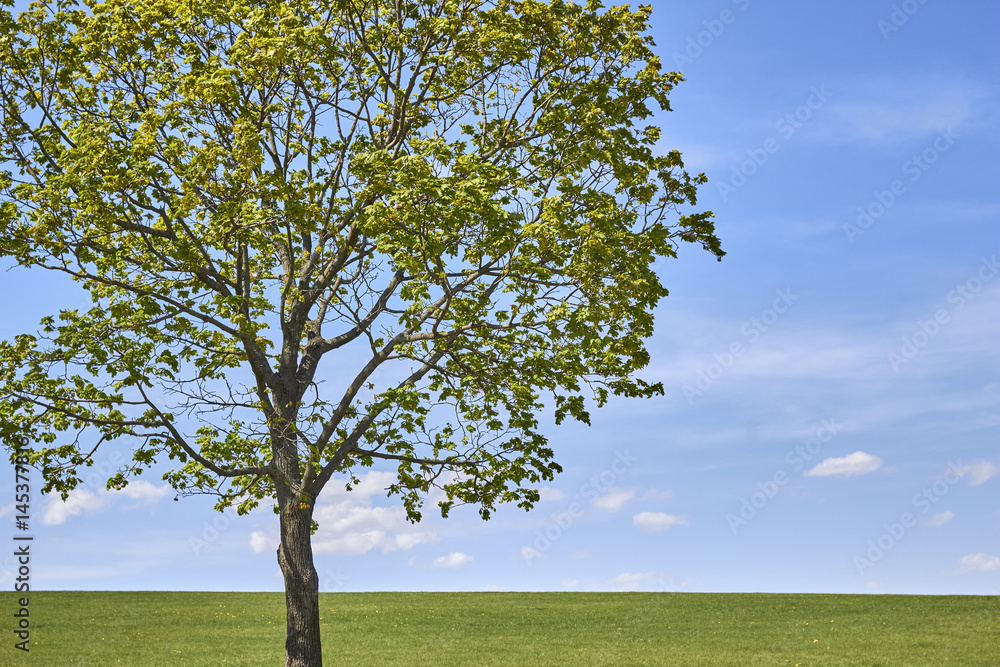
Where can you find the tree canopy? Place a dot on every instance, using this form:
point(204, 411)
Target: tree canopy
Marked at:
point(322, 234)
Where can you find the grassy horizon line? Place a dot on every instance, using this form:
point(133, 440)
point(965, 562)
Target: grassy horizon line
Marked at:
point(444, 629)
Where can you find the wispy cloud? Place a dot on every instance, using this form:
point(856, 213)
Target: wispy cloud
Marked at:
point(650, 522)
point(630, 581)
point(858, 463)
point(888, 110)
point(844, 363)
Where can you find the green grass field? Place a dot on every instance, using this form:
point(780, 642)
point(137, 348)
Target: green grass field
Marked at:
point(145, 629)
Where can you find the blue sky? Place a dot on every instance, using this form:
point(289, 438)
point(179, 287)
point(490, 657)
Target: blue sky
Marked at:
point(831, 419)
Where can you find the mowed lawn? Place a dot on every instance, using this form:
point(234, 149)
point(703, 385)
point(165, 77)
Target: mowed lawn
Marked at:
point(149, 629)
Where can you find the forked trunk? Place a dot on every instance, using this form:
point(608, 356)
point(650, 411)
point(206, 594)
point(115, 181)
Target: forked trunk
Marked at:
point(302, 642)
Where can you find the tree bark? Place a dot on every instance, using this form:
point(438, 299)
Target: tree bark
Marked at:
point(295, 556)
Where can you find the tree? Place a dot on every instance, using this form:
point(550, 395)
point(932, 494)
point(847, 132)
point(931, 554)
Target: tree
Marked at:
point(450, 192)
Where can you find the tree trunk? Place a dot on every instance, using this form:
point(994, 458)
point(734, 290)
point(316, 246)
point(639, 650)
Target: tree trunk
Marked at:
point(302, 642)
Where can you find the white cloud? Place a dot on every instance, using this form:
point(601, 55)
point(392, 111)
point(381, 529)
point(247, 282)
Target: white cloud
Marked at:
point(7, 509)
point(978, 472)
point(369, 484)
point(357, 515)
point(261, 541)
point(351, 525)
point(58, 510)
point(656, 521)
point(614, 499)
point(454, 559)
point(938, 519)
point(407, 541)
point(546, 494)
point(530, 553)
point(570, 583)
point(363, 533)
point(145, 491)
point(653, 494)
point(353, 543)
point(494, 588)
point(858, 463)
point(978, 563)
point(580, 555)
